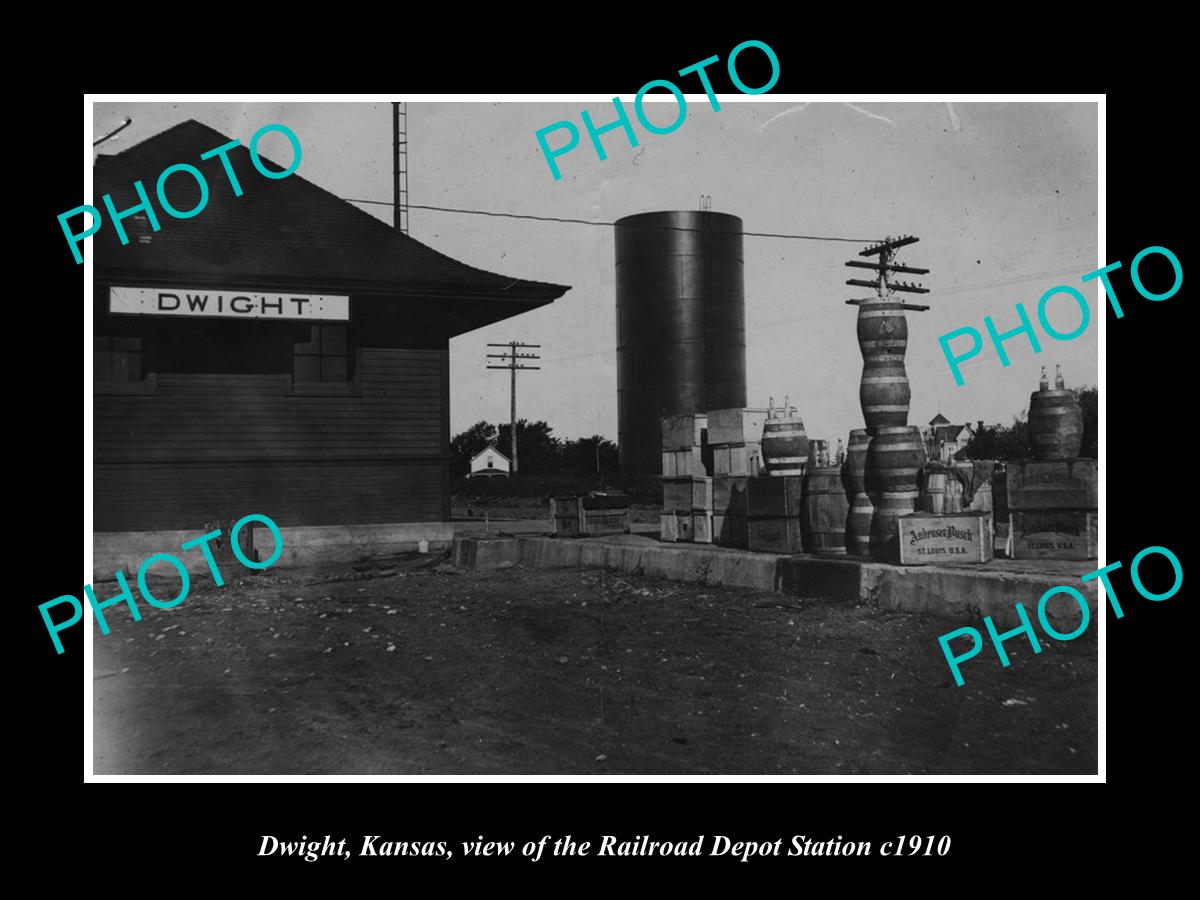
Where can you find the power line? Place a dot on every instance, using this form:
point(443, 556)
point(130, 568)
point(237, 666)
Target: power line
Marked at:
point(514, 362)
point(503, 215)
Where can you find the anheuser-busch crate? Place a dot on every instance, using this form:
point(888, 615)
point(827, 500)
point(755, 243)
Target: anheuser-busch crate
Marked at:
point(956, 537)
point(1054, 534)
point(683, 432)
point(1052, 484)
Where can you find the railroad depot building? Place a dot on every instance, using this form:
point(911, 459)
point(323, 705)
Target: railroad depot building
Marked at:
point(282, 352)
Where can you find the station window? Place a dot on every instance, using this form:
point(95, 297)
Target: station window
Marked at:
point(117, 359)
point(323, 357)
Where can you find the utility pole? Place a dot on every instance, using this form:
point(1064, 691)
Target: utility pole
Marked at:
point(513, 364)
point(400, 167)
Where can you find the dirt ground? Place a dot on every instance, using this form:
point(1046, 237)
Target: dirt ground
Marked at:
point(409, 666)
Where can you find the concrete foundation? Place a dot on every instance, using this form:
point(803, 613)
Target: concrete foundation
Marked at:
point(959, 593)
point(126, 550)
point(348, 543)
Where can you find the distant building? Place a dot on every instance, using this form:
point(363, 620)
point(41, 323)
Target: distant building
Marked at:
point(943, 441)
point(489, 462)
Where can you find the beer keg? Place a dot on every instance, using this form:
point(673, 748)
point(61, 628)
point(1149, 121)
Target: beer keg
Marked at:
point(784, 443)
point(854, 480)
point(1055, 425)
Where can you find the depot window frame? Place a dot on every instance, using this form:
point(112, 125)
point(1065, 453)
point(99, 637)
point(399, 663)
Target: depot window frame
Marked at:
point(326, 354)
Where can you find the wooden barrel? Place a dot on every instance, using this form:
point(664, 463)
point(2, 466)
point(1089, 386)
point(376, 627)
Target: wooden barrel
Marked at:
point(889, 507)
point(894, 459)
point(884, 393)
point(882, 330)
point(854, 473)
point(858, 525)
point(784, 445)
point(934, 488)
point(823, 512)
point(854, 480)
point(1055, 425)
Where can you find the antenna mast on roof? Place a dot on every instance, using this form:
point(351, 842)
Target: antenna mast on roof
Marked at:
point(400, 170)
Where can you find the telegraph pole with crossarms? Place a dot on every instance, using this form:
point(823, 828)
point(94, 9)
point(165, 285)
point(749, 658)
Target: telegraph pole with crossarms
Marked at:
point(514, 361)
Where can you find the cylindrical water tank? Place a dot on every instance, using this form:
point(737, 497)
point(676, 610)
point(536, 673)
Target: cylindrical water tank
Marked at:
point(681, 325)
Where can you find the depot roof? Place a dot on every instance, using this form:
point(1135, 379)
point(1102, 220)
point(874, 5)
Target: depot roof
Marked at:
point(283, 233)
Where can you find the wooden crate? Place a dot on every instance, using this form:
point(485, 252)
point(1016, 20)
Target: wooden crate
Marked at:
point(774, 496)
point(587, 515)
point(605, 521)
point(675, 527)
point(702, 527)
point(736, 426)
point(1054, 534)
point(684, 463)
point(736, 459)
point(775, 535)
point(683, 494)
point(683, 432)
point(1052, 484)
point(729, 495)
point(954, 537)
point(564, 514)
point(731, 530)
point(604, 501)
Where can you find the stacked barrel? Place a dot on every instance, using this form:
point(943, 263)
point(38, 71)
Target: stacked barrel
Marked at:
point(854, 480)
point(895, 451)
point(1052, 497)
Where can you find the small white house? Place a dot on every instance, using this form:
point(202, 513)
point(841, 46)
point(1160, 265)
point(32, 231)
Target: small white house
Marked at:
point(489, 462)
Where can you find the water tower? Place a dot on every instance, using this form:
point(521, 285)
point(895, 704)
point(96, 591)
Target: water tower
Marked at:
point(681, 325)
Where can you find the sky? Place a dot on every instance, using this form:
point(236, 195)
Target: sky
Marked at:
point(1002, 195)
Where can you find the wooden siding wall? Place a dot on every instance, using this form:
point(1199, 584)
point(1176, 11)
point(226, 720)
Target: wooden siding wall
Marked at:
point(205, 448)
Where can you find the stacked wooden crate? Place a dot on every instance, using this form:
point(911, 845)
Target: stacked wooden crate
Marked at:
point(687, 486)
point(590, 514)
point(729, 512)
point(1053, 504)
point(689, 497)
point(735, 441)
point(774, 506)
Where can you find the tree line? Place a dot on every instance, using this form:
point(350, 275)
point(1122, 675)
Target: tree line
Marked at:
point(539, 452)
